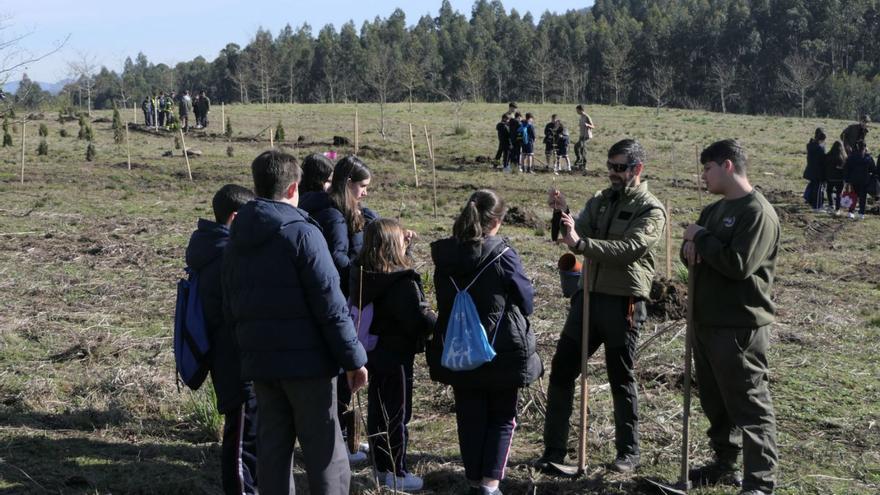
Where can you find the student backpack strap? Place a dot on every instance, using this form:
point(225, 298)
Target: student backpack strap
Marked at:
point(487, 265)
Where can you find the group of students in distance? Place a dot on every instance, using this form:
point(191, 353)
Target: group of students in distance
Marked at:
point(277, 264)
point(847, 173)
point(516, 142)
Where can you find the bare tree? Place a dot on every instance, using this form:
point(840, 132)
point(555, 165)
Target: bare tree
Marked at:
point(83, 69)
point(412, 76)
point(659, 86)
point(799, 77)
point(722, 78)
point(380, 67)
point(541, 65)
point(616, 64)
point(473, 72)
point(13, 56)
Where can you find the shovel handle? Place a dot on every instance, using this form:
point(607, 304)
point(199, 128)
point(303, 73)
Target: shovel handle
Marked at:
point(686, 407)
point(585, 390)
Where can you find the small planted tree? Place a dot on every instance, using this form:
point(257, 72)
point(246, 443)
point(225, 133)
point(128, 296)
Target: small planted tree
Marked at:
point(7, 138)
point(62, 132)
point(43, 130)
point(43, 148)
point(118, 132)
point(90, 152)
point(82, 127)
point(228, 130)
point(88, 134)
point(279, 132)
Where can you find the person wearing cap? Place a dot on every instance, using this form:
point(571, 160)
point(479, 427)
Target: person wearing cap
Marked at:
point(855, 133)
point(617, 232)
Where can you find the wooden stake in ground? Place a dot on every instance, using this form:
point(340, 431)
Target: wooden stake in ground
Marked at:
point(155, 117)
point(433, 173)
point(223, 116)
point(185, 154)
point(668, 239)
point(128, 146)
point(22, 150)
point(585, 389)
point(412, 145)
point(134, 112)
point(684, 480)
point(428, 142)
point(271, 138)
point(699, 178)
point(356, 131)
point(674, 173)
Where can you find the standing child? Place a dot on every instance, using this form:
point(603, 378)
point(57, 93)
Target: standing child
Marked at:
point(383, 276)
point(513, 125)
point(834, 168)
point(859, 171)
point(815, 171)
point(503, 152)
point(550, 133)
point(526, 138)
point(236, 400)
point(475, 259)
point(562, 142)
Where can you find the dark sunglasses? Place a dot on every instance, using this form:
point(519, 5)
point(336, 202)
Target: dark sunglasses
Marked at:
point(619, 167)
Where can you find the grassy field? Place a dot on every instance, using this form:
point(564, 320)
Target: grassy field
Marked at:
point(90, 253)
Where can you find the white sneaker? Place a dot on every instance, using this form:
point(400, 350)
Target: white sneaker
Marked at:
point(357, 458)
point(364, 447)
point(505, 170)
point(407, 483)
point(852, 215)
point(861, 217)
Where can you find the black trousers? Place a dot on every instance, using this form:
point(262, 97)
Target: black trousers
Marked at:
point(238, 457)
point(486, 419)
point(861, 191)
point(833, 190)
point(615, 322)
point(502, 154)
point(301, 410)
point(389, 412)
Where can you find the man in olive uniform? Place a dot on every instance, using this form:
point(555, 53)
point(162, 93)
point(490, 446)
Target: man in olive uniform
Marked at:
point(732, 249)
point(585, 133)
point(617, 232)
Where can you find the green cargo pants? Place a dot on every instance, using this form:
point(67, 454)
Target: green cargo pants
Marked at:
point(732, 376)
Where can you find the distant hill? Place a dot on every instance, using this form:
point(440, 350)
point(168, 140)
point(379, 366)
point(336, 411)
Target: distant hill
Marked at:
point(54, 88)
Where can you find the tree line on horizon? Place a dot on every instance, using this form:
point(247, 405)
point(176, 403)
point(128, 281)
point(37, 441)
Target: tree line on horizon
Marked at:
point(787, 57)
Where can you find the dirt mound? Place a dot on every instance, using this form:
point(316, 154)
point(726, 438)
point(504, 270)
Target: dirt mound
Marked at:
point(374, 152)
point(668, 299)
point(101, 120)
point(524, 218)
point(341, 141)
point(782, 196)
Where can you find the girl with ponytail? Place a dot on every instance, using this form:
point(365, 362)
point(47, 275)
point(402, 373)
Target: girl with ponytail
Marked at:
point(479, 261)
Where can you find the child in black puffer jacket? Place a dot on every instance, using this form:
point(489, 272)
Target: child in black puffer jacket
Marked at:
point(382, 276)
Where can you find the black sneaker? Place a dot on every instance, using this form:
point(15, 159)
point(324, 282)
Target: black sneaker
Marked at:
point(625, 463)
point(715, 473)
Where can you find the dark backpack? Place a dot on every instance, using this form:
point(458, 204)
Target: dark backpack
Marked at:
point(191, 342)
point(522, 134)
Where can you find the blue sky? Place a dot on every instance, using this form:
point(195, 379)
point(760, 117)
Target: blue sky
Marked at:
point(166, 31)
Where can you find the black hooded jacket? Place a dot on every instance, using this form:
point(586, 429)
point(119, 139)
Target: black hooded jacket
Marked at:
point(503, 296)
point(204, 254)
point(402, 317)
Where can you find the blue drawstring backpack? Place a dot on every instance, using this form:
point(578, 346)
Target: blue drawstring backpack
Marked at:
point(362, 316)
point(191, 342)
point(467, 346)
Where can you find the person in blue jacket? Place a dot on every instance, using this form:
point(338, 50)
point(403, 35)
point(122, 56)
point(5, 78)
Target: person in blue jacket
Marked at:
point(281, 294)
point(815, 171)
point(235, 398)
point(485, 397)
point(859, 171)
point(343, 218)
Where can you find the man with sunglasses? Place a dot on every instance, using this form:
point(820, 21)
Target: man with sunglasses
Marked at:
point(616, 232)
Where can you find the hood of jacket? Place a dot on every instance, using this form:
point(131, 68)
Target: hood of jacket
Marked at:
point(458, 258)
point(375, 284)
point(206, 244)
point(259, 220)
point(315, 201)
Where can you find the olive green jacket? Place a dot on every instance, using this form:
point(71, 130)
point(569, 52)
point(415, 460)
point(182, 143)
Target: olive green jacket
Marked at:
point(619, 240)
